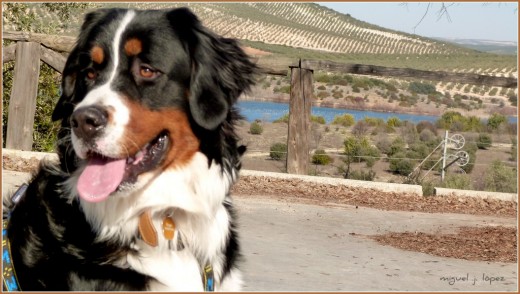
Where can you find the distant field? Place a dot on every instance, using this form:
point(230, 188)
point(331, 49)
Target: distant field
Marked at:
point(462, 62)
point(308, 30)
point(288, 31)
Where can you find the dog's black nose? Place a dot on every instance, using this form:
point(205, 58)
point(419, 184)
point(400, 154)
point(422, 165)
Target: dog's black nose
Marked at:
point(87, 122)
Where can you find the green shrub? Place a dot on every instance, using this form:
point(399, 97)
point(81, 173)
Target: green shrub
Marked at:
point(500, 178)
point(283, 119)
point(256, 128)
point(513, 99)
point(397, 146)
point(426, 136)
point(372, 121)
point(384, 145)
point(345, 120)
point(473, 123)
point(421, 88)
point(514, 150)
point(372, 155)
point(422, 125)
point(362, 175)
point(495, 120)
point(420, 149)
point(282, 89)
point(322, 77)
point(322, 87)
point(393, 122)
point(322, 94)
point(318, 119)
point(320, 157)
point(399, 164)
point(278, 151)
point(457, 181)
point(471, 148)
point(448, 119)
point(484, 141)
point(358, 149)
point(428, 188)
point(337, 94)
point(361, 128)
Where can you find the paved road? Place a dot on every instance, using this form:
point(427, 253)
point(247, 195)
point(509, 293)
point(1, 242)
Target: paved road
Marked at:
point(299, 247)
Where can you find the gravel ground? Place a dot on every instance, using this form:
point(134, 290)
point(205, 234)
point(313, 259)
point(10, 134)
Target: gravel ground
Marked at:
point(492, 243)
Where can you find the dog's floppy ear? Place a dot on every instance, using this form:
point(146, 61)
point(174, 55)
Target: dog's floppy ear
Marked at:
point(221, 70)
point(64, 107)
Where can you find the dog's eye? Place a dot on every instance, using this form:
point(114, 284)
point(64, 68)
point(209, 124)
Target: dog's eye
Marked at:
point(91, 74)
point(148, 72)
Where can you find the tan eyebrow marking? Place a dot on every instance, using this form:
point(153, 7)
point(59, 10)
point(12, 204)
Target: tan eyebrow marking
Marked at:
point(133, 47)
point(97, 54)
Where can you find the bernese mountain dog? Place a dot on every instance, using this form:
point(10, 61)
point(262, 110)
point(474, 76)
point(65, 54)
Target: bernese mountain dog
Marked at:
point(148, 152)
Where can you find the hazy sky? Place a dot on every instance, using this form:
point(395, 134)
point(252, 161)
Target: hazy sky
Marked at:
point(478, 20)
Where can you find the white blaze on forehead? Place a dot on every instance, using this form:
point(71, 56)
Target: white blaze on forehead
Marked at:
point(97, 95)
point(117, 42)
point(105, 96)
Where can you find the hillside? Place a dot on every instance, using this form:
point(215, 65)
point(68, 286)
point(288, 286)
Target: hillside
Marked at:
point(278, 33)
point(310, 26)
point(308, 30)
point(300, 25)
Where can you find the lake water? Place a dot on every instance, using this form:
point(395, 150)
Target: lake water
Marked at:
point(269, 111)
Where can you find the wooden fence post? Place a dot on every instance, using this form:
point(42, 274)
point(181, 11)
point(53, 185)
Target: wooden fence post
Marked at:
point(22, 104)
point(299, 120)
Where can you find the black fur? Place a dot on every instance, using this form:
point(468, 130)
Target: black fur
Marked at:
point(53, 244)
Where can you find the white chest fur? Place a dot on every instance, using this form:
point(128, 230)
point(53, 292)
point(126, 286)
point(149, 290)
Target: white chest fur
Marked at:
point(194, 196)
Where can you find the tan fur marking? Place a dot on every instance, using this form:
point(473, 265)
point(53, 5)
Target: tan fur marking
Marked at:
point(97, 54)
point(133, 47)
point(144, 125)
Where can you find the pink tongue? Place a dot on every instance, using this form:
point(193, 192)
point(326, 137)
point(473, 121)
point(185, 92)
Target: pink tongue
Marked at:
point(100, 178)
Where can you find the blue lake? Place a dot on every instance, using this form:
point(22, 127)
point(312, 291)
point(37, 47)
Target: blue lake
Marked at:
point(269, 111)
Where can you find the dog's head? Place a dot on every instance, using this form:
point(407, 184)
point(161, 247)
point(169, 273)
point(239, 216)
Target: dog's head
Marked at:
point(144, 91)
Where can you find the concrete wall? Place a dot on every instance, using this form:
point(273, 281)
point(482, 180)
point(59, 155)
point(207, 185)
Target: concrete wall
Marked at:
point(477, 194)
point(380, 186)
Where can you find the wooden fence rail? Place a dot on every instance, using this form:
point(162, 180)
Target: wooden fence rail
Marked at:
point(381, 71)
point(30, 48)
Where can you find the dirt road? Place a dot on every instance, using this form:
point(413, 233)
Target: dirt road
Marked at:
point(300, 247)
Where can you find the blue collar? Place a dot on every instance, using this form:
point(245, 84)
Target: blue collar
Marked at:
point(208, 277)
point(8, 273)
point(10, 280)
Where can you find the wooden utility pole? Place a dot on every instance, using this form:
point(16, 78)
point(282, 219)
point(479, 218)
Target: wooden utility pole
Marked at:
point(299, 120)
point(22, 104)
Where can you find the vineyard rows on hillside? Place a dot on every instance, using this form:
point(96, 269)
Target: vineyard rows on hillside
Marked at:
point(308, 30)
point(302, 25)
